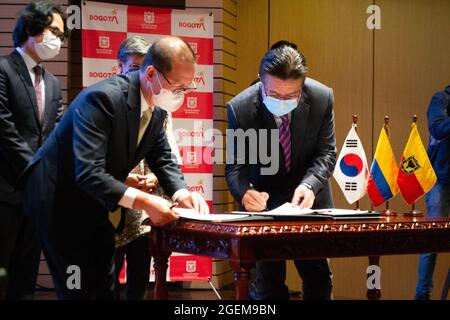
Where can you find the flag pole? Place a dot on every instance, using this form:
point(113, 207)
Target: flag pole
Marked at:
point(355, 124)
point(413, 212)
point(387, 212)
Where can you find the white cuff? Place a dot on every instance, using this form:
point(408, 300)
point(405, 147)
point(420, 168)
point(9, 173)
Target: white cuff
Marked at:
point(181, 192)
point(128, 198)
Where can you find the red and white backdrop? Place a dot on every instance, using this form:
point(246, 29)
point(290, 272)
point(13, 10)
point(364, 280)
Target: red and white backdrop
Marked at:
point(104, 27)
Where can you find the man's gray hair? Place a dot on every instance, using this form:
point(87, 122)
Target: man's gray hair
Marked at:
point(134, 45)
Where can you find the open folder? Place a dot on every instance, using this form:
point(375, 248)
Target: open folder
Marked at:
point(191, 214)
point(283, 212)
point(287, 211)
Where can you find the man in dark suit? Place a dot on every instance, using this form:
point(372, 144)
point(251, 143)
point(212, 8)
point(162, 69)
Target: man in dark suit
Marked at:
point(79, 173)
point(30, 105)
point(301, 146)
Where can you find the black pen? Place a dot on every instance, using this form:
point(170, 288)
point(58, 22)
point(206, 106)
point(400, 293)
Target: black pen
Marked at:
point(175, 204)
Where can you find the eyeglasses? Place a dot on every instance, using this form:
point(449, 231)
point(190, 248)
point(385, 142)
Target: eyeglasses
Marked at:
point(57, 33)
point(179, 90)
point(286, 97)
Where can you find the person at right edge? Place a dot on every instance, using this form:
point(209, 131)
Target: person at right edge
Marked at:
point(302, 111)
point(438, 198)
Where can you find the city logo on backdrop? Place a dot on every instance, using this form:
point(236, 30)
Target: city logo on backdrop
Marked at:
point(191, 266)
point(191, 102)
point(193, 46)
point(149, 22)
point(199, 187)
point(191, 157)
point(200, 78)
point(104, 75)
point(149, 17)
point(193, 25)
point(103, 42)
point(105, 18)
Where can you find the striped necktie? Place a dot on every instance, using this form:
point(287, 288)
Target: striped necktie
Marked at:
point(285, 141)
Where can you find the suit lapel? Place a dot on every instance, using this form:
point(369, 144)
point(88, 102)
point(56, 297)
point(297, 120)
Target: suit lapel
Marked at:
point(48, 98)
point(299, 124)
point(134, 114)
point(24, 75)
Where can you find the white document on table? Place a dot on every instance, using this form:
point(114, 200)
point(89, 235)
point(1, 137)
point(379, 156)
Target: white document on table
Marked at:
point(286, 209)
point(191, 214)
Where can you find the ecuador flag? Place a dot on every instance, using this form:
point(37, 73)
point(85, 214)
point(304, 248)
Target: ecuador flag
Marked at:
point(416, 175)
point(382, 184)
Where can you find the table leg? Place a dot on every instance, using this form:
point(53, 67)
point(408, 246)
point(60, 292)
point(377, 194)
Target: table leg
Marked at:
point(161, 262)
point(374, 294)
point(241, 280)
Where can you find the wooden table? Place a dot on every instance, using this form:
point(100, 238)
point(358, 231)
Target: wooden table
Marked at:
point(245, 243)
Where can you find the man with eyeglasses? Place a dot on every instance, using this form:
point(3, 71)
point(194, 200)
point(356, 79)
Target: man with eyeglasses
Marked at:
point(302, 111)
point(132, 238)
point(79, 175)
point(30, 105)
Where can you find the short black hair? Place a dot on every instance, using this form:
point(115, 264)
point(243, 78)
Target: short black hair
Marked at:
point(161, 56)
point(34, 18)
point(284, 62)
point(282, 43)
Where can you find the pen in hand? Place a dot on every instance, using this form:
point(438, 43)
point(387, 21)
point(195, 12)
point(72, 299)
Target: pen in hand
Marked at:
point(252, 188)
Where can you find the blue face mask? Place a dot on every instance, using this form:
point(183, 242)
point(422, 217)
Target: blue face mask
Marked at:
point(279, 107)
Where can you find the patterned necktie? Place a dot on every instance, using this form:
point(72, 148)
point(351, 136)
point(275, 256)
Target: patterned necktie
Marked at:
point(145, 120)
point(285, 141)
point(38, 89)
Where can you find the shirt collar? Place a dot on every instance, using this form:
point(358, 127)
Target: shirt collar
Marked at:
point(144, 104)
point(29, 61)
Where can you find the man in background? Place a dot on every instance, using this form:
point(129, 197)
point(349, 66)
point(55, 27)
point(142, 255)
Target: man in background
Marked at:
point(438, 198)
point(30, 106)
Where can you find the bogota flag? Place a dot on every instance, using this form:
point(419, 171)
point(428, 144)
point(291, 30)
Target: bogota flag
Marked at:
point(416, 175)
point(382, 184)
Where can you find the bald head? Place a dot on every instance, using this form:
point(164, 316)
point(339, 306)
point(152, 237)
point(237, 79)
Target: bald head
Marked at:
point(165, 52)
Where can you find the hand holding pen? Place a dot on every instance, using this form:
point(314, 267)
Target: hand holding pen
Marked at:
point(254, 200)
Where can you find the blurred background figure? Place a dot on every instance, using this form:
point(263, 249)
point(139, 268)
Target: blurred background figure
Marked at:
point(438, 198)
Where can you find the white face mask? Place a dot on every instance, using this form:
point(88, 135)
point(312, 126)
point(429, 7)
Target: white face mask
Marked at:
point(49, 47)
point(278, 107)
point(166, 100)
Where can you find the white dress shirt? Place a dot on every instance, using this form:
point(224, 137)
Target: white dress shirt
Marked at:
point(130, 194)
point(30, 63)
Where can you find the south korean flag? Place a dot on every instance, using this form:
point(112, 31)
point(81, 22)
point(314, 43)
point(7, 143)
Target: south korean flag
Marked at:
point(351, 172)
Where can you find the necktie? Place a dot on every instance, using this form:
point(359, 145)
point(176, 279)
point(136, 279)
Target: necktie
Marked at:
point(145, 120)
point(38, 89)
point(117, 217)
point(285, 141)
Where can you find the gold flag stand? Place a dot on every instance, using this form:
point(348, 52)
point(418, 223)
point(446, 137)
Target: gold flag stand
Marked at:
point(414, 212)
point(387, 212)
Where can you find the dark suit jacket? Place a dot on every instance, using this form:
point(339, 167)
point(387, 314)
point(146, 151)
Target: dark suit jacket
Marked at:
point(77, 176)
point(21, 133)
point(312, 140)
